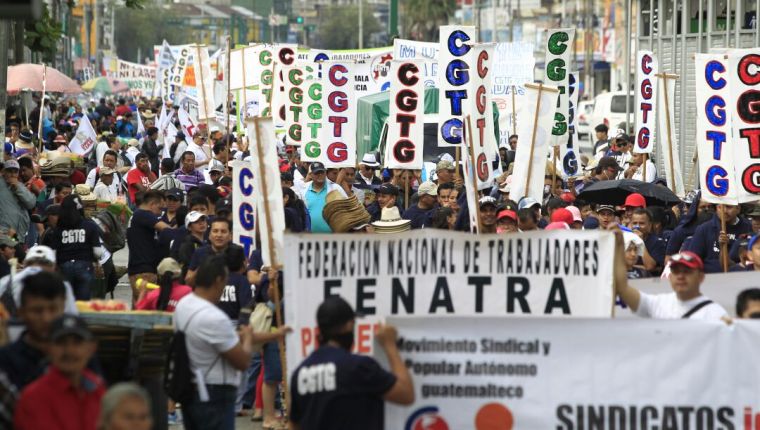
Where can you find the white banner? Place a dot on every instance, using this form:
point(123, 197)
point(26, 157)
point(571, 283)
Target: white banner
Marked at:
point(455, 44)
point(479, 109)
point(164, 62)
point(535, 132)
point(716, 156)
point(669, 144)
point(311, 121)
point(338, 132)
point(183, 55)
point(418, 273)
point(243, 67)
point(243, 206)
point(271, 221)
point(492, 373)
point(139, 78)
point(189, 128)
point(295, 83)
point(85, 139)
point(646, 101)
point(281, 54)
point(567, 164)
point(406, 116)
point(745, 97)
point(204, 82)
point(559, 44)
point(371, 66)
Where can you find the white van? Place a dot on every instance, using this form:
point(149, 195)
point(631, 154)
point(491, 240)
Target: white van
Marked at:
point(609, 109)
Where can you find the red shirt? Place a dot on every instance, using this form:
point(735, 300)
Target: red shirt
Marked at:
point(51, 402)
point(150, 301)
point(121, 110)
point(136, 176)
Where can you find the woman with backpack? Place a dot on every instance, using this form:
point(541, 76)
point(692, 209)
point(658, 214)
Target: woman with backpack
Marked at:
point(78, 247)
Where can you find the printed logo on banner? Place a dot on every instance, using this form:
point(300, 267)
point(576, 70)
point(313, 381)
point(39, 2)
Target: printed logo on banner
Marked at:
point(455, 45)
point(281, 53)
point(381, 69)
point(339, 116)
point(406, 117)
point(426, 418)
point(494, 416)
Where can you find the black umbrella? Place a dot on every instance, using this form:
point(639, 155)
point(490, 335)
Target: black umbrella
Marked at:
point(615, 192)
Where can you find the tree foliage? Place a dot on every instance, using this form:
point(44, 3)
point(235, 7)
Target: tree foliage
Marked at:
point(423, 17)
point(42, 35)
point(142, 28)
point(339, 27)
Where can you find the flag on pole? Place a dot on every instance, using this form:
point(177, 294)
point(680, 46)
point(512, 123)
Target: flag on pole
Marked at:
point(140, 128)
point(85, 139)
point(204, 83)
point(188, 125)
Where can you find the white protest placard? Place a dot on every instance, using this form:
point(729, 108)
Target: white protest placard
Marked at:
point(182, 55)
point(716, 156)
point(269, 204)
point(204, 82)
point(538, 373)
point(406, 116)
point(164, 61)
point(559, 44)
point(513, 66)
point(189, 128)
point(371, 66)
point(567, 164)
point(295, 108)
point(139, 78)
point(455, 44)
point(646, 101)
point(338, 132)
point(478, 110)
point(536, 135)
point(422, 273)
point(85, 139)
point(745, 95)
point(243, 206)
point(311, 120)
point(667, 136)
point(279, 97)
point(426, 51)
point(281, 54)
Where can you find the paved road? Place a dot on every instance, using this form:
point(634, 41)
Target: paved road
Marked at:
point(124, 293)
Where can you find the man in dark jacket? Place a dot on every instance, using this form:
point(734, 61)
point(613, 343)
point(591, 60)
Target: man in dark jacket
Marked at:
point(150, 148)
point(709, 237)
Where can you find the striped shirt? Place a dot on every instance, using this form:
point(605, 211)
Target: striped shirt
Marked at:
point(191, 180)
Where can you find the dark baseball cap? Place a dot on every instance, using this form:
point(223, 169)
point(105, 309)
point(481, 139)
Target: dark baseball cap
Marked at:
point(317, 167)
point(223, 205)
point(605, 208)
point(70, 325)
point(333, 313)
point(174, 193)
point(388, 189)
point(286, 176)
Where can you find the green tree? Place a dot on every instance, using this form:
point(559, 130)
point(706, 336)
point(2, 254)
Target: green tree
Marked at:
point(339, 27)
point(42, 35)
point(142, 28)
point(424, 17)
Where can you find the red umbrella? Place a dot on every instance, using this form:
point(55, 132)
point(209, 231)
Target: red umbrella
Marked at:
point(28, 77)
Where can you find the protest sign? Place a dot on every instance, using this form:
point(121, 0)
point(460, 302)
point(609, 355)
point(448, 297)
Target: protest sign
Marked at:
point(419, 273)
point(478, 111)
point(406, 116)
point(716, 156)
point(538, 373)
point(338, 132)
point(512, 67)
point(281, 54)
point(85, 139)
point(164, 62)
point(187, 124)
point(243, 206)
point(139, 78)
point(279, 97)
point(371, 70)
point(646, 101)
point(669, 141)
point(295, 108)
point(311, 120)
point(427, 52)
point(536, 132)
point(266, 179)
point(744, 84)
point(204, 82)
point(567, 164)
point(455, 44)
point(182, 55)
point(558, 49)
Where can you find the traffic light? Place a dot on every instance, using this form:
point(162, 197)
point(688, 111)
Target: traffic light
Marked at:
point(299, 20)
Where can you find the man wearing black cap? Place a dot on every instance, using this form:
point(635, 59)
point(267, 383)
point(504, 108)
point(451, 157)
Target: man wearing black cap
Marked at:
point(386, 197)
point(71, 393)
point(335, 389)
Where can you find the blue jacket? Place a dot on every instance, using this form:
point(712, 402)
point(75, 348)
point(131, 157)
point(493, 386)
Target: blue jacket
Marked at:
point(705, 241)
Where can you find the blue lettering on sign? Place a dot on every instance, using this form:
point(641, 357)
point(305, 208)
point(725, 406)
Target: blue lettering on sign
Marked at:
point(570, 163)
point(456, 73)
point(710, 69)
point(716, 180)
point(456, 97)
point(244, 179)
point(716, 117)
point(456, 44)
point(718, 138)
point(245, 215)
point(247, 243)
point(452, 131)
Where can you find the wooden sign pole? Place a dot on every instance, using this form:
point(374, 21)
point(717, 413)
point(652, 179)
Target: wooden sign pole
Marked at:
point(671, 171)
point(533, 139)
point(203, 94)
point(468, 136)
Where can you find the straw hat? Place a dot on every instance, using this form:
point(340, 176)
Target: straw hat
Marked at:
point(344, 214)
point(148, 113)
point(391, 222)
point(57, 167)
point(84, 192)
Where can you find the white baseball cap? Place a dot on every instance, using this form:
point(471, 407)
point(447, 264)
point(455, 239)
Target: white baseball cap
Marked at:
point(40, 252)
point(192, 217)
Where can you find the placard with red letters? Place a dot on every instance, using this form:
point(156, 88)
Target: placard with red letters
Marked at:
point(406, 124)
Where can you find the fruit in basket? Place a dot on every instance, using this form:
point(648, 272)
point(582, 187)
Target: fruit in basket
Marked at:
point(105, 306)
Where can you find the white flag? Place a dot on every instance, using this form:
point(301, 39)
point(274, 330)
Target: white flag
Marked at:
point(169, 134)
point(204, 83)
point(85, 139)
point(140, 128)
point(264, 153)
point(669, 144)
point(188, 125)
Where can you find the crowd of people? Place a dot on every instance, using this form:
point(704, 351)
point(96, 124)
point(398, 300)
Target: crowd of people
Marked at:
point(63, 217)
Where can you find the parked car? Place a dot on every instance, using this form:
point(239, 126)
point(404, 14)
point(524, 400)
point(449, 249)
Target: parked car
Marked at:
point(609, 109)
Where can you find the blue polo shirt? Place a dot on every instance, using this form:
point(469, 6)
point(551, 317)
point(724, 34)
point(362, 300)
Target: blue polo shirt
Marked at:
point(315, 202)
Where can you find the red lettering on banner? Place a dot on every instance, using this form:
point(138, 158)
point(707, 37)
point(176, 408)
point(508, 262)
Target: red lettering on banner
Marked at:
point(481, 126)
point(406, 100)
point(646, 89)
point(646, 62)
point(337, 152)
point(645, 108)
point(405, 121)
point(751, 178)
point(643, 137)
point(337, 101)
point(482, 69)
point(480, 99)
point(747, 77)
point(407, 74)
point(336, 80)
point(337, 121)
point(286, 56)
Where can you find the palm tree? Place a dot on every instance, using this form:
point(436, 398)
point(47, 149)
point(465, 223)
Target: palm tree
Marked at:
point(426, 16)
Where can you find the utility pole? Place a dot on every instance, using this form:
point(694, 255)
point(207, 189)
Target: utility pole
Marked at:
point(361, 24)
point(5, 33)
point(392, 20)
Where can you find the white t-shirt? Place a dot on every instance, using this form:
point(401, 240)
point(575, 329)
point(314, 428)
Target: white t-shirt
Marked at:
point(667, 306)
point(200, 154)
point(209, 334)
point(651, 173)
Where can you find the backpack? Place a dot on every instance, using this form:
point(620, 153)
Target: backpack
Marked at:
point(178, 376)
point(115, 238)
point(261, 322)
